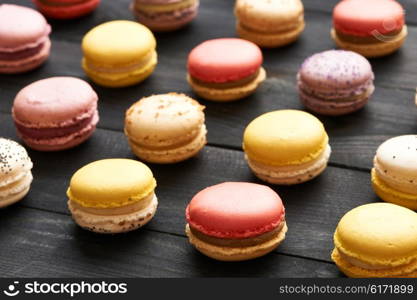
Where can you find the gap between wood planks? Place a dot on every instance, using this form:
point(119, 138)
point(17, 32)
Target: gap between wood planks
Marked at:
point(276, 252)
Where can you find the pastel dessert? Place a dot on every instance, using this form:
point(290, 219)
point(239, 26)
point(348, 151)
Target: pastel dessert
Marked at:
point(66, 9)
point(56, 113)
point(24, 39)
point(269, 23)
point(119, 53)
point(286, 147)
point(377, 240)
point(165, 15)
point(112, 195)
point(15, 172)
point(372, 28)
point(335, 82)
point(166, 128)
point(216, 73)
point(394, 175)
point(235, 221)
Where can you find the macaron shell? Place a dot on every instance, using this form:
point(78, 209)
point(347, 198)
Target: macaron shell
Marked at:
point(28, 63)
point(385, 47)
point(166, 17)
point(235, 210)
point(21, 27)
point(54, 102)
point(111, 224)
point(236, 253)
point(365, 18)
point(270, 15)
point(58, 9)
point(391, 195)
point(172, 154)
point(298, 137)
point(335, 69)
point(216, 60)
point(270, 40)
point(408, 271)
point(379, 234)
point(118, 43)
point(111, 183)
point(230, 94)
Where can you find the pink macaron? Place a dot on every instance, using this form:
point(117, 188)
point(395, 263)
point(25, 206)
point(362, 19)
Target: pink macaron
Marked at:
point(56, 113)
point(236, 221)
point(335, 82)
point(24, 39)
point(225, 69)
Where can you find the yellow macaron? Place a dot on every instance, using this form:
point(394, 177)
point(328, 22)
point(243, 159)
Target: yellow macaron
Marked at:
point(112, 195)
point(394, 176)
point(119, 53)
point(166, 128)
point(270, 23)
point(377, 240)
point(286, 146)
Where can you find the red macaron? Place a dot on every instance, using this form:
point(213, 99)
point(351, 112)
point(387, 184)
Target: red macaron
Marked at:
point(236, 221)
point(66, 9)
point(225, 69)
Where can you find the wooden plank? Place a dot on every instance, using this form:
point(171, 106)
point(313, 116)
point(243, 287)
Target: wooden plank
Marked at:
point(313, 209)
point(41, 244)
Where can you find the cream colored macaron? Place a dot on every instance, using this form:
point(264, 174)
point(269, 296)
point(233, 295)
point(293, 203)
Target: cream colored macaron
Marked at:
point(15, 172)
point(377, 240)
point(270, 23)
point(166, 128)
point(394, 176)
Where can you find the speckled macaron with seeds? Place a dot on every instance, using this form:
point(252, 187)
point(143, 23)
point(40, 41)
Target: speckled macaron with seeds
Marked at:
point(15, 172)
point(166, 128)
point(335, 82)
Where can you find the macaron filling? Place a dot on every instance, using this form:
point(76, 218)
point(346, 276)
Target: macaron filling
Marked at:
point(121, 210)
point(229, 84)
point(239, 242)
point(64, 3)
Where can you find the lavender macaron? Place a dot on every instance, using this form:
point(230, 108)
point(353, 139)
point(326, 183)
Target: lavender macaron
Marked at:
point(335, 82)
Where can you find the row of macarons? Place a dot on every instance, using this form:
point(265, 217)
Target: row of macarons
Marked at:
point(122, 53)
point(230, 221)
point(159, 15)
point(58, 113)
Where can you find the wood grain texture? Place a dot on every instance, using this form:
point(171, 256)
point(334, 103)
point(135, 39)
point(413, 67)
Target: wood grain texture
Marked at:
point(41, 244)
point(40, 239)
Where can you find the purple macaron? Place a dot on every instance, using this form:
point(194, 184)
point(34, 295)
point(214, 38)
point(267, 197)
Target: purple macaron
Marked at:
point(335, 82)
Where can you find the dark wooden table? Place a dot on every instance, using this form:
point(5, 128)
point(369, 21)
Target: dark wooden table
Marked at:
point(38, 237)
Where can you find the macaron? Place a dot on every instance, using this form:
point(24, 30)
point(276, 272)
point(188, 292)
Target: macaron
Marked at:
point(119, 53)
point(372, 28)
point(335, 82)
point(166, 128)
point(269, 23)
point(165, 15)
point(394, 175)
point(24, 39)
point(15, 172)
point(66, 9)
point(235, 221)
point(216, 73)
point(56, 113)
point(377, 240)
point(286, 147)
point(112, 195)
